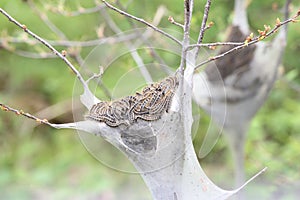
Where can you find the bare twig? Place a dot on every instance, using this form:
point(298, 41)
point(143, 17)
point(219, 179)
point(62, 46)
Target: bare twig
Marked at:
point(142, 21)
point(203, 26)
point(214, 44)
point(100, 84)
point(20, 112)
point(210, 24)
point(188, 9)
point(52, 112)
point(44, 42)
point(172, 21)
point(75, 54)
point(98, 76)
point(95, 76)
point(262, 36)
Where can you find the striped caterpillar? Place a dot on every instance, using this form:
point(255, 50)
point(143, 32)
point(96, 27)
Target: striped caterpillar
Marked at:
point(150, 104)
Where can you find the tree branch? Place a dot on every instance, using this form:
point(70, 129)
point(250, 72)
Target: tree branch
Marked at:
point(213, 44)
point(172, 21)
point(141, 21)
point(203, 26)
point(27, 115)
point(263, 35)
point(87, 98)
point(188, 10)
point(175, 170)
point(45, 43)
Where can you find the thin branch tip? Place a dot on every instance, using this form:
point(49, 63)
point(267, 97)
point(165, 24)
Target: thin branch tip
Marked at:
point(203, 26)
point(172, 21)
point(7, 108)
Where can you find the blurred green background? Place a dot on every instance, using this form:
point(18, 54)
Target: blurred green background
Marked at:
point(37, 162)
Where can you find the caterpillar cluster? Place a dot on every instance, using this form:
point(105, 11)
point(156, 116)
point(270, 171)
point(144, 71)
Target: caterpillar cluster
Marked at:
point(149, 104)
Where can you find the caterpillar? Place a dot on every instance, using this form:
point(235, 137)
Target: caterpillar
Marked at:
point(150, 104)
